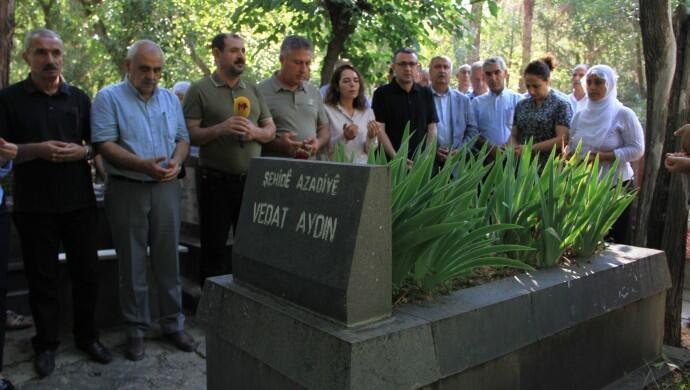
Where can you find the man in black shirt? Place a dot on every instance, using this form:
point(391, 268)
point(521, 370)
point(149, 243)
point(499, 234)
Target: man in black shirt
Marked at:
point(402, 101)
point(54, 202)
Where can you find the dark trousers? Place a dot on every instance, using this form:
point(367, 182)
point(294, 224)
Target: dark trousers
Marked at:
point(619, 229)
point(4, 259)
point(41, 235)
point(220, 198)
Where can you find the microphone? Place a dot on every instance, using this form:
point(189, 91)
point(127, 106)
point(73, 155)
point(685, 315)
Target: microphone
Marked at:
point(241, 106)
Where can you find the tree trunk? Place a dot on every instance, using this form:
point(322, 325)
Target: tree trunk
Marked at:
point(191, 45)
point(477, 9)
point(116, 51)
point(342, 26)
point(7, 24)
point(47, 7)
point(642, 83)
point(675, 225)
point(528, 16)
point(663, 224)
point(660, 58)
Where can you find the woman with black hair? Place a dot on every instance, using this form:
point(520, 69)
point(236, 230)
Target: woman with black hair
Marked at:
point(545, 115)
point(352, 123)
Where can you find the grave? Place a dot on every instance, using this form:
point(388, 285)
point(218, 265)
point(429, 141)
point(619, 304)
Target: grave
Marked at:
point(318, 234)
point(288, 318)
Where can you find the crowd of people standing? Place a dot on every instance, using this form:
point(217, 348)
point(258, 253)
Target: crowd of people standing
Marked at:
point(49, 130)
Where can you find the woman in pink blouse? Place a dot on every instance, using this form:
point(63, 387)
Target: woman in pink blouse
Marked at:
point(352, 123)
point(610, 130)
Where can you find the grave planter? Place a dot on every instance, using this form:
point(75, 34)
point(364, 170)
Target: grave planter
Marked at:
point(578, 327)
point(309, 308)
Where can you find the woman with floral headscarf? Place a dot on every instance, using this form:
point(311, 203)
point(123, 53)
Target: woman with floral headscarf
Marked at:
point(610, 130)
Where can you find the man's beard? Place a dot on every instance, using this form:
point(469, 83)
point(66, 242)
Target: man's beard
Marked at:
point(232, 71)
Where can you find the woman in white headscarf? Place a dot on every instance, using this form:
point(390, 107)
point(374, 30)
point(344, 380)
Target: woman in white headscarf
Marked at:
point(610, 130)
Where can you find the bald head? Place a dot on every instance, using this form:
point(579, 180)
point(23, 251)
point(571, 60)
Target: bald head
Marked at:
point(144, 63)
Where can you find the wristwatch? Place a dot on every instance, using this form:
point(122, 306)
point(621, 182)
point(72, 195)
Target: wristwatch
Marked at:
point(89, 152)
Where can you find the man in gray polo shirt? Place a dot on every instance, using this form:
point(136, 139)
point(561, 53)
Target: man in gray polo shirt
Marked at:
point(229, 137)
point(295, 104)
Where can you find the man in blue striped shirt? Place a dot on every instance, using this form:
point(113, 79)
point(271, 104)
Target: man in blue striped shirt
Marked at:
point(494, 110)
point(140, 131)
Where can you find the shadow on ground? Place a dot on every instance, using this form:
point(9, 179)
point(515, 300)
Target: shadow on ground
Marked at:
point(164, 367)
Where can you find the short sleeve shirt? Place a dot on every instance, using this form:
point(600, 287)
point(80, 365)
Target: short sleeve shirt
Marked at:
point(301, 111)
point(147, 128)
point(28, 115)
point(540, 122)
point(211, 101)
point(396, 107)
point(494, 114)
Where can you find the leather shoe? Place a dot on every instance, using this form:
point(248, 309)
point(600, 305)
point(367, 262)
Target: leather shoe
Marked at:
point(96, 351)
point(181, 340)
point(44, 362)
point(135, 348)
point(5, 384)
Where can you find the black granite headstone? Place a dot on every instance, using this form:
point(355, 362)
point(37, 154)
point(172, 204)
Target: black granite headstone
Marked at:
point(318, 234)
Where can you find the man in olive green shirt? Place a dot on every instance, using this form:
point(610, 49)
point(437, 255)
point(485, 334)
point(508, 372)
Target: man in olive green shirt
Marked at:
point(229, 119)
point(295, 104)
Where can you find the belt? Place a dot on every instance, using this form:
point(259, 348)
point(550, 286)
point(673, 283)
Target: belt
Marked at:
point(130, 180)
point(216, 174)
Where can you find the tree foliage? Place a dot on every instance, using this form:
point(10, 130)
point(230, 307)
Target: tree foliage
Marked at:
point(98, 32)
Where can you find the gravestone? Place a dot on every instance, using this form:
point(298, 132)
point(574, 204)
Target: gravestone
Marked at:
point(318, 234)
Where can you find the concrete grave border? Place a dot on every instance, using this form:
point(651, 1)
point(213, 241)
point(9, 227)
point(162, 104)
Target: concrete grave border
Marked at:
point(580, 326)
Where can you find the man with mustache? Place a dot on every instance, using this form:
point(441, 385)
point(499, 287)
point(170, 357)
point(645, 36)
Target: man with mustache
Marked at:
point(228, 140)
point(295, 104)
point(494, 110)
point(456, 125)
point(140, 131)
point(54, 202)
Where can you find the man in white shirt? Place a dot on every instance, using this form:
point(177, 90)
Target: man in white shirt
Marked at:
point(477, 79)
point(578, 98)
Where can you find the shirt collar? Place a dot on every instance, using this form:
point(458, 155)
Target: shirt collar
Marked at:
point(439, 94)
point(30, 87)
point(492, 93)
point(278, 86)
point(218, 82)
point(415, 87)
point(136, 92)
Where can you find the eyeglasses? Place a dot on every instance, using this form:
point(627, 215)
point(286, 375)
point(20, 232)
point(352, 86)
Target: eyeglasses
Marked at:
point(410, 64)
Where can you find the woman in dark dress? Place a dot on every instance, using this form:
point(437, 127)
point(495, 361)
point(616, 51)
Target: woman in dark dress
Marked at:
point(544, 116)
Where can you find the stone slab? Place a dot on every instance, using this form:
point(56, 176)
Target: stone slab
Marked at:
point(606, 311)
point(604, 352)
point(318, 234)
point(300, 344)
point(537, 305)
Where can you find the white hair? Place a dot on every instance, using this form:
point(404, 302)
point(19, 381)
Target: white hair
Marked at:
point(136, 46)
point(41, 32)
point(181, 87)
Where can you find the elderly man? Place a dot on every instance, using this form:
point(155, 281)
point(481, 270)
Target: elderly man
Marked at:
point(54, 202)
point(477, 79)
point(402, 101)
point(456, 126)
point(463, 76)
point(141, 134)
point(295, 104)
point(180, 89)
point(578, 98)
point(494, 110)
point(424, 78)
point(228, 140)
